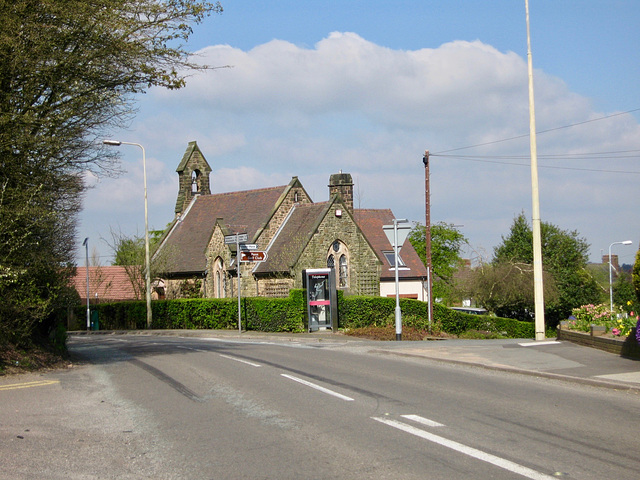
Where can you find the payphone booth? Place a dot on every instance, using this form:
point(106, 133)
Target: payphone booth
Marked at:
point(322, 299)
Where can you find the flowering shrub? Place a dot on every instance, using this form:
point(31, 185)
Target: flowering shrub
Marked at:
point(619, 323)
point(587, 315)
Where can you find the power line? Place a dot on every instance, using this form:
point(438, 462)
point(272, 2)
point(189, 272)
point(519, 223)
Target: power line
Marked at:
point(556, 167)
point(538, 132)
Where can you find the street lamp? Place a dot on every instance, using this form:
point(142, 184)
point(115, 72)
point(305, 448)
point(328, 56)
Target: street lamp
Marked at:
point(626, 242)
point(85, 244)
point(147, 263)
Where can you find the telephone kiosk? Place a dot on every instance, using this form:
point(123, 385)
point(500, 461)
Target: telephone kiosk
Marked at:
point(322, 299)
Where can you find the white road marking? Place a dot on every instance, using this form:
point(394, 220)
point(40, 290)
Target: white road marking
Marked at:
point(537, 344)
point(472, 452)
point(318, 387)
point(422, 420)
point(240, 360)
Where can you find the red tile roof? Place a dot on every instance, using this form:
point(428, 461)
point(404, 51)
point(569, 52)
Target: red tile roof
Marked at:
point(111, 283)
point(371, 223)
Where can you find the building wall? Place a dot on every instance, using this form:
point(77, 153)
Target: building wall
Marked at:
point(364, 266)
point(407, 288)
point(295, 196)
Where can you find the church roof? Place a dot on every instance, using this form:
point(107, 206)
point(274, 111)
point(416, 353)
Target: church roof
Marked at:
point(241, 212)
point(294, 235)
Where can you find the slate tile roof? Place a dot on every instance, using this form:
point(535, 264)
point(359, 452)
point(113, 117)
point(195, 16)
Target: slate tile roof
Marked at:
point(243, 212)
point(111, 283)
point(371, 222)
point(293, 237)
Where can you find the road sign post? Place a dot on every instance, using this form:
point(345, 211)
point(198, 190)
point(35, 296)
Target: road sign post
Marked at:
point(397, 234)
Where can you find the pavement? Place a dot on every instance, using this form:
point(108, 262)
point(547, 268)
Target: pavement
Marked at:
point(559, 360)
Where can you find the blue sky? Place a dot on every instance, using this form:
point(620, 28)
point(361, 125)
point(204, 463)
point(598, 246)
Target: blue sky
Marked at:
point(365, 87)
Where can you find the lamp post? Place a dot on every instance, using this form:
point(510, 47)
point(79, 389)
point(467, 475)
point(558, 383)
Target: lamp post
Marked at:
point(85, 244)
point(626, 242)
point(147, 262)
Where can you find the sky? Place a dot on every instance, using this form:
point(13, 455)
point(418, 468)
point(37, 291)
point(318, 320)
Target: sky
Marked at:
point(365, 87)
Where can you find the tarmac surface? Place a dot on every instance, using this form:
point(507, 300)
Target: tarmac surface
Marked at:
point(559, 360)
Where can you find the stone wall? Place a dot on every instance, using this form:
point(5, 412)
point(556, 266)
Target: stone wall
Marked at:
point(625, 346)
point(196, 162)
point(364, 266)
point(296, 195)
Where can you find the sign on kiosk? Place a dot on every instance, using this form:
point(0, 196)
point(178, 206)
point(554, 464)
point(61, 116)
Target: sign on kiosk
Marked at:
point(322, 304)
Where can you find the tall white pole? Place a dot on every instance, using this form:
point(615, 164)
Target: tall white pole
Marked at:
point(147, 260)
point(395, 252)
point(86, 263)
point(538, 288)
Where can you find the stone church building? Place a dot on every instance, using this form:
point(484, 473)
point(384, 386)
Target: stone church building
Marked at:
point(295, 233)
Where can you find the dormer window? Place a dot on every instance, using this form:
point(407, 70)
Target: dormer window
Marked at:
point(391, 258)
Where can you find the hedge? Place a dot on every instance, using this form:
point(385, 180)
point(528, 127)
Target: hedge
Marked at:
point(288, 315)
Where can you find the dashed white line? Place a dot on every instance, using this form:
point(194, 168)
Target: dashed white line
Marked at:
point(538, 344)
point(318, 387)
point(422, 420)
point(470, 451)
point(236, 359)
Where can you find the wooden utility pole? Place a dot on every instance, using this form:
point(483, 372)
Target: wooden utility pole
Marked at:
point(427, 235)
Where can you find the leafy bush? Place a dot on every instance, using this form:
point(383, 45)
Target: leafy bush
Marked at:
point(288, 315)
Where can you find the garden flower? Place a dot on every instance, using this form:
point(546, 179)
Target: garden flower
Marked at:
point(615, 331)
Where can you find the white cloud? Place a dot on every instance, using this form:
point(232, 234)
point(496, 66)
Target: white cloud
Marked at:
point(347, 103)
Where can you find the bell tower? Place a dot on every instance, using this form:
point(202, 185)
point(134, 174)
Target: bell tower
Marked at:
point(193, 177)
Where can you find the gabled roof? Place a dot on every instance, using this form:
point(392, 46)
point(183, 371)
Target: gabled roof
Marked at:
point(371, 223)
point(293, 237)
point(111, 283)
point(191, 149)
point(242, 212)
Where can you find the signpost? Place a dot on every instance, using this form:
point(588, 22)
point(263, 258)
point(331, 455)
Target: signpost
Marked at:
point(236, 238)
point(397, 234)
point(245, 252)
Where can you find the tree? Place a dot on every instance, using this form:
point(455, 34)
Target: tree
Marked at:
point(446, 244)
point(506, 289)
point(564, 258)
point(129, 252)
point(69, 70)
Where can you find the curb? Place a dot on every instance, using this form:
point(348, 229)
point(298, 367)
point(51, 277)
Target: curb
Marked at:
point(531, 373)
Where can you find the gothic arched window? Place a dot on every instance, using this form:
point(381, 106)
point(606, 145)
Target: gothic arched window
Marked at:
point(343, 272)
point(338, 259)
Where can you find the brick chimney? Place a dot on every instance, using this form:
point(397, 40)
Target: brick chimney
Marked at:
point(342, 184)
point(614, 264)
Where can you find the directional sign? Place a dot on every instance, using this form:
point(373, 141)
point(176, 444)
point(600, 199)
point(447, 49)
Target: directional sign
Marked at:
point(248, 246)
point(238, 238)
point(252, 256)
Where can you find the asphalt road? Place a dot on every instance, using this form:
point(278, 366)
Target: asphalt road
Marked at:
point(203, 408)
